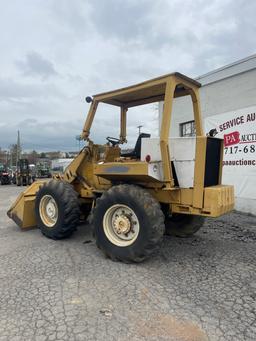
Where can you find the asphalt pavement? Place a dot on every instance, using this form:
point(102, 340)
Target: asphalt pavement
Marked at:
point(196, 289)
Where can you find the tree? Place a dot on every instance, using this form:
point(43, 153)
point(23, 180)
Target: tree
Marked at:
point(32, 157)
point(42, 155)
point(14, 154)
point(2, 156)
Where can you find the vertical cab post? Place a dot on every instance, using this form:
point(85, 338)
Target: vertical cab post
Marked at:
point(123, 124)
point(89, 119)
point(200, 157)
point(164, 133)
point(194, 93)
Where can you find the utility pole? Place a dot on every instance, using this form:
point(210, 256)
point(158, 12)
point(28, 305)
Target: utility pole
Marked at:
point(139, 127)
point(18, 148)
point(10, 158)
point(78, 138)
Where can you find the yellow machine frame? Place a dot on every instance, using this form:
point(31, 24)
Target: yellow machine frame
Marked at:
point(91, 173)
point(166, 88)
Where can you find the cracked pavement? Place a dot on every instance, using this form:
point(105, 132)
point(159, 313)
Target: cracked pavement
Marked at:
point(196, 289)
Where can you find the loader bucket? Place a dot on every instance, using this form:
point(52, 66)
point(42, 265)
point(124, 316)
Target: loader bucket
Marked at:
point(22, 212)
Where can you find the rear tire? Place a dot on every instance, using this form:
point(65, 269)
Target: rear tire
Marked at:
point(128, 223)
point(183, 225)
point(57, 209)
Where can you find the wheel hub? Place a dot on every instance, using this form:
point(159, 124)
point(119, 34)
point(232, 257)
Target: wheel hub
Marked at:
point(48, 210)
point(122, 224)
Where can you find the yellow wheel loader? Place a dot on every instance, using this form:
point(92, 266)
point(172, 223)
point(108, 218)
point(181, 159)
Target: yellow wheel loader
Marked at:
point(163, 184)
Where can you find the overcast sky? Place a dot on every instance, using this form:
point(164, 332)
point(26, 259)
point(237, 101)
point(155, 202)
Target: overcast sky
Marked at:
point(54, 53)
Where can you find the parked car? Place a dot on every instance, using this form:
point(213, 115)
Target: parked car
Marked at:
point(5, 178)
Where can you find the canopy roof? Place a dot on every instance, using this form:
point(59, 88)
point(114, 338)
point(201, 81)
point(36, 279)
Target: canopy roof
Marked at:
point(147, 92)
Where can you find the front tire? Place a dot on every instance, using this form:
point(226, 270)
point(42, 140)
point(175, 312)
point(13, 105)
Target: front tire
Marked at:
point(183, 225)
point(128, 223)
point(57, 209)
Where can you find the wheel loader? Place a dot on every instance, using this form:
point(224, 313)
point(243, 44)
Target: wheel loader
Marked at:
point(23, 173)
point(164, 185)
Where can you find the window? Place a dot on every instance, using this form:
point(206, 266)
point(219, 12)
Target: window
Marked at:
point(187, 129)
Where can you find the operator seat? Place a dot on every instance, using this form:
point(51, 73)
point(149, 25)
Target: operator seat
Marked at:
point(136, 152)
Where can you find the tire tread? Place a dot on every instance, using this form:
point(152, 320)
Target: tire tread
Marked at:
point(153, 211)
point(71, 211)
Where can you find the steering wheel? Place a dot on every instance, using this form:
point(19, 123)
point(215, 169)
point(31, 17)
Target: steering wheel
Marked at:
point(114, 141)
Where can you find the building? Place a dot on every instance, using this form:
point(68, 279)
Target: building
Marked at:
point(228, 103)
point(59, 165)
point(55, 155)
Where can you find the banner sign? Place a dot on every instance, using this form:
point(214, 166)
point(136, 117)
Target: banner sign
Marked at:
point(238, 129)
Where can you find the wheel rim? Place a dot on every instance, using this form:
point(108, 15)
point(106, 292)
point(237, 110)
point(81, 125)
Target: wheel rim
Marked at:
point(121, 225)
point(48, 210)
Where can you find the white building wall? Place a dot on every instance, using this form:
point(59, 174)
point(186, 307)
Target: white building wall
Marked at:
point(233, 93)
point(228, 89)
point(61, 163)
